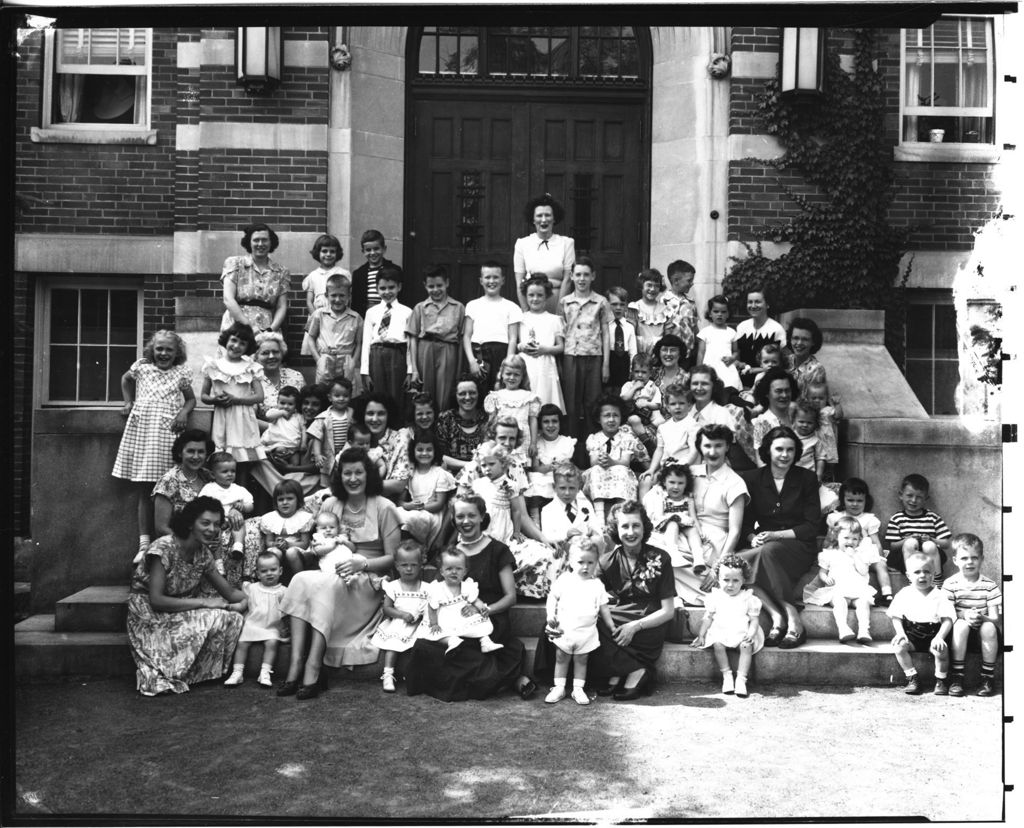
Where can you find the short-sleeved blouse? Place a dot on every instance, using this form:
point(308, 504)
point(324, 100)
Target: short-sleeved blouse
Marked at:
point(456, 442)
point(182, 578)
point(302, 521)
point(395, 445)
point(380, 520)
point(808, 372)
point(714, 494)
point(485, 568)
point(257, 290)
point(532, 255)
point(178, 489)
point(639, 591)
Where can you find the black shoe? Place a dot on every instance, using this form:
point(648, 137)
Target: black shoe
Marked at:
point(883, 600)
point(287, 688)
point(956, 687)
point(988, 687)
point(308, 691)
point(607, 689)
point(527, 690)
point(941, 687)
point(645, 686)
point(913, 687)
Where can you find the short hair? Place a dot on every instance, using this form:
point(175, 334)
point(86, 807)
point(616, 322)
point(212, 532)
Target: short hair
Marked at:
point(612, 399)
point(289, 391)
point(669, 341)
point(328, 514)
point(256, 228)
point(286, 487)
point(680, 469)
point(717, 386)
point(452, 552)
point(326, 240)
point(713, 431)
point(476, 502)
point(272, 336)
point(410, 545)
point(629, 507)
point(493, 264)
point(181, 523)
point(340, 380)
point(220, 457)
point(489, 448)
point(505, 422)
point(372, 236)
point(679, 266)
point(240, 331)
point(649, 275)
point(268, 554)
point(422, 435)
point(179, 345)
point(764, 451)
point(567, 471)
point(618, 292)
point(717, 299)
point(809, 325)
point(734, 562)
point(190, 435)
point(374, 484)
point(549, 410)
point(361, 403)
point(769, 349)
point(585, 261)
point(823, 384)
point(764, 386)
point(423, 398)
point(315, 392)
point(968, 540)
point(338, 280)
point(802, 406)
point(756, 288)
point(389, 274)
point(435, 271)
point(677, 389)
point(519, 364)
point(546, 200)
point(360, 429)
point(922, 556)
point(854, 485)
point(641, 361)
point(917, 481)
point(537, 279)
point(848, 524)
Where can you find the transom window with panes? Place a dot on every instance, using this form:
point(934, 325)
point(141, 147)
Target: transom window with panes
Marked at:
point(948, 82)
point(536, 53)
point(97, 79)
point(88, 335)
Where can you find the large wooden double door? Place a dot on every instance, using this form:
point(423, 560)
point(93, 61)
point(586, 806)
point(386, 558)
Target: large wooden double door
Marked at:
point(475, 164)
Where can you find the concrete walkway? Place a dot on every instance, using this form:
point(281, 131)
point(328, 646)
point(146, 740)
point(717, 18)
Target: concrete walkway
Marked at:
point(96, 747)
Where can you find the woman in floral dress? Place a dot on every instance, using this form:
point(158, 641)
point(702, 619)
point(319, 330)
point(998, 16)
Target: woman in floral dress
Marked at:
point(255, 286)
point(178, 635)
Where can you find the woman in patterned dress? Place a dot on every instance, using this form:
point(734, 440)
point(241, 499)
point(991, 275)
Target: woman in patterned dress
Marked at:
point(255, 286)
point(461, 430)
point(178, 635)
point(376, 411)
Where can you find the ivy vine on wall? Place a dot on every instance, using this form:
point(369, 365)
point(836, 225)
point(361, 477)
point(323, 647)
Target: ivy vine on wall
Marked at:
point(845, 252)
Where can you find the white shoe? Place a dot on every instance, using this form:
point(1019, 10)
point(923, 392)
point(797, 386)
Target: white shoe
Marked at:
point(234, 679)
point(454, 642)
point(265, 673)
point(580, 696)
point(556, 695)
point(727, 686)
point(741, 687)
point(488, 646)
point(388, 682)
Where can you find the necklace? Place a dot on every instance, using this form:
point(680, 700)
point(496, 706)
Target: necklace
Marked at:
point(353, 511)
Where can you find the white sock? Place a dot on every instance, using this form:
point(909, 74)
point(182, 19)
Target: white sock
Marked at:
point(388, 671)
point(559, 682)
point(578, 683)
point(911, 672)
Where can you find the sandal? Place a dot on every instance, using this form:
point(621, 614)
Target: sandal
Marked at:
point(527, 689)
point(774, 637)
point(793, 640)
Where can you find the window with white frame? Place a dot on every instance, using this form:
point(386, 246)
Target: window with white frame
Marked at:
point(947, 81)
point(97, 79)
point(89, 334)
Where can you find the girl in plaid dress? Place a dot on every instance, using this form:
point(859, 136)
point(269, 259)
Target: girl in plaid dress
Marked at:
point(158, 397)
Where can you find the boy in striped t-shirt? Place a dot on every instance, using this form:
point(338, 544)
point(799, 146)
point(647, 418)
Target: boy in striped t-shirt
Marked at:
point(915, 529)
point(978, 604)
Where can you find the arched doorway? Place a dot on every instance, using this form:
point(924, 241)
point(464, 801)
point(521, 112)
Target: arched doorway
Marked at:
point(499, 114)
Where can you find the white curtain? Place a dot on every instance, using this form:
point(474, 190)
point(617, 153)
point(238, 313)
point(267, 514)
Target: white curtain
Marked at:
point(71, 98)
point(912, 82)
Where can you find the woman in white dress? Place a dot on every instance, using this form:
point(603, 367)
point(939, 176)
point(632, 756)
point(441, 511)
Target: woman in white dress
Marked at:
point(544, 251)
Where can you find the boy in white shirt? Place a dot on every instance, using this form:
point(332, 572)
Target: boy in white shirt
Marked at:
point(491, 330)
point(570, 509)
point(385, 364)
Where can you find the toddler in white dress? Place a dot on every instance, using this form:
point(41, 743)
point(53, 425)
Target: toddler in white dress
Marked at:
point(262, 620)
point(405, 607)
point(446, 600)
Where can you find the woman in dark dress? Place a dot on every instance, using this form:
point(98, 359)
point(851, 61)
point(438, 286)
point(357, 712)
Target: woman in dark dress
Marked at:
point(780, 527)
point(466, 672)
point(641, 589)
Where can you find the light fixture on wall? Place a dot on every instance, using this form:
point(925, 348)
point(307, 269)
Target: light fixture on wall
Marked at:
point(259, 56)
point(802, 63)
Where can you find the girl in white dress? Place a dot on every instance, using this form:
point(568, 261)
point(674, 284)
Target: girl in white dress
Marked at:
point(429, 489)
point(232, 383)
point(446, 600)
point(611, 450)
point(553, 448)
point(405, 607)
point(262, 621)
point(730, 623)
point(843, 569)
point(855, 501)
point(513, 398)
point(541, 340)
point(717, 344)
point(287, 530)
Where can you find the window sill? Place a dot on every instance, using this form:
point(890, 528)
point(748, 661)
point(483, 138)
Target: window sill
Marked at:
point(944, 153)
point(66, 135)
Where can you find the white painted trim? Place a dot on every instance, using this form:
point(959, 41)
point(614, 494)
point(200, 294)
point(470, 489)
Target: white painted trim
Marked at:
point(244, 135)
point(945, 153)
point(187, 137)
point(306, 53)
point(742, 147)
point(339, 140)
point(85, 134)
point(218, 51)
point(754, 64)
point(935, 269)
point(190, 54)
point(92, 253)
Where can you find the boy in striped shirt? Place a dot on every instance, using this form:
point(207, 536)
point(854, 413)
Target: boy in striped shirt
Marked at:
point(916, 529)
point(978, 604)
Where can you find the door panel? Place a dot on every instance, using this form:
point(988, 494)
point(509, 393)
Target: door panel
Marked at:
point(477, 163)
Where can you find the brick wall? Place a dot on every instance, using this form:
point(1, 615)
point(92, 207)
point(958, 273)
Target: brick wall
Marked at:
point(23, 317)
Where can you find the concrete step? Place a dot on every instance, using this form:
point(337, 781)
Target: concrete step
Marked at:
point(93, 609)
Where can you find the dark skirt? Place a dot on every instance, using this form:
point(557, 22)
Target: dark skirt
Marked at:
point(465, 672)
point(779, 565)
point(609, 659)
